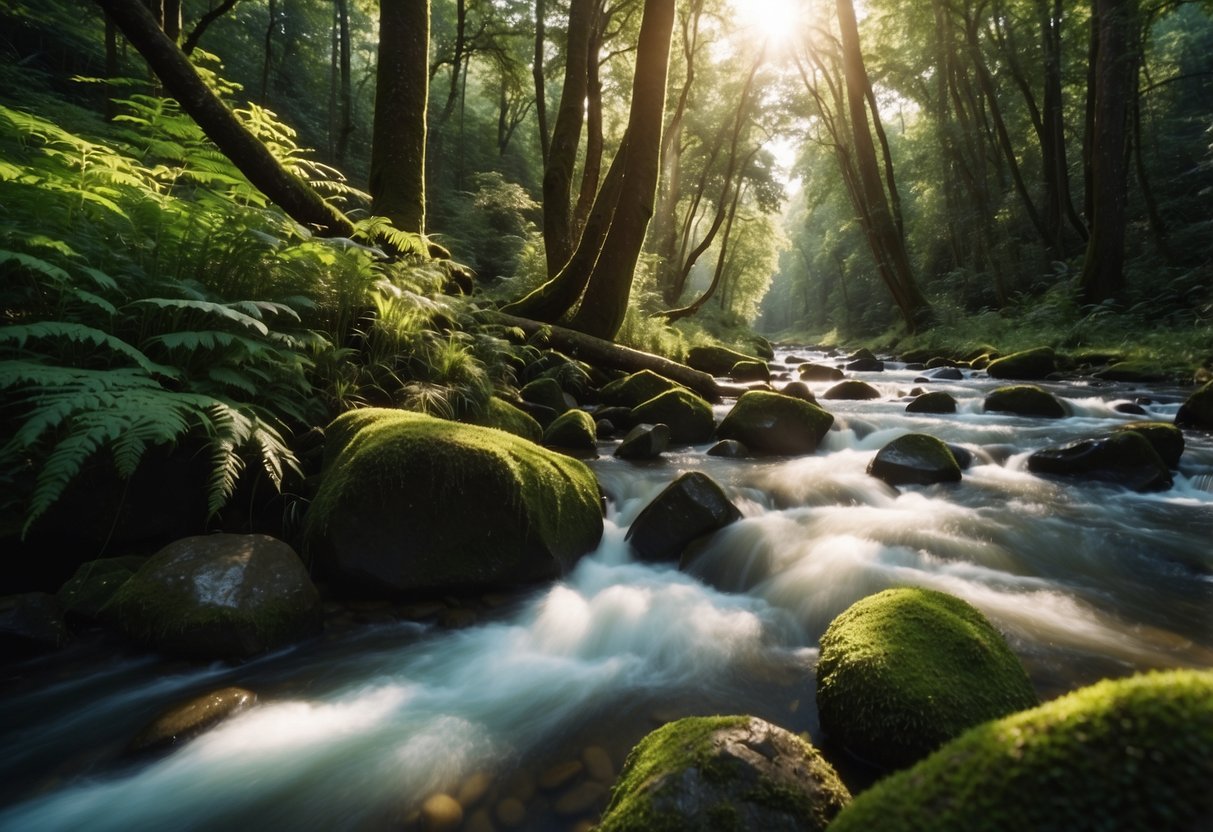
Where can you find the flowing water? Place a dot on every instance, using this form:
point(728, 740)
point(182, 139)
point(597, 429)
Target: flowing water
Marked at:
point(524, 715)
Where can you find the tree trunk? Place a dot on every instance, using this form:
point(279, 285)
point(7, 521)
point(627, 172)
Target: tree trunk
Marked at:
point(541, 103)
point(111, 67)
point(1053, 139)
point(172, 20)
point(263, 99)
point(345, 121)
point(397, 183)
point(195, 35)
point(591, 169)
point(174, 70)
point(1116, 68)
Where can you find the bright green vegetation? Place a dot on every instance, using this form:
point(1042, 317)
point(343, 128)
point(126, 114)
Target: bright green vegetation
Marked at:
point(904, 671)
point(1132, 754)
point(504, 416)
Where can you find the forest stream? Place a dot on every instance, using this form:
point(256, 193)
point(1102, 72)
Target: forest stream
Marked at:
point(525, 716)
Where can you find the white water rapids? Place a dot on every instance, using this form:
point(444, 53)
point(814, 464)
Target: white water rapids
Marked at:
point(355, 731)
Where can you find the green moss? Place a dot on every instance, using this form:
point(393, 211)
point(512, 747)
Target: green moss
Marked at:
point(903, 671)
point(776, 424)
point(747, 370)
point(716, 361)
point(1028, 364)
point(936, 401)
point(1197, 411)
point(574, 430)
point(688, 416)
point(1166, 439)
point(637, 389)
point(504, 416)
point(1134, 755)
point(915, 459)
point(1025, 400)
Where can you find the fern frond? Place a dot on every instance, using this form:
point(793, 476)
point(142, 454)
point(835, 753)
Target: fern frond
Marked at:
point(207, 307)
point(35, 264)
point(80, 334)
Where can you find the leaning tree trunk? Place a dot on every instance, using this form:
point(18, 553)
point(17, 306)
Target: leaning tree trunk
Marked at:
point(177, 74)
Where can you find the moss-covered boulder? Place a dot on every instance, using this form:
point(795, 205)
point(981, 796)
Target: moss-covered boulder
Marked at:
point(799, 390)
point(502, 415)
point(30, 623)
point(1124, 458)
point(945, 374)
point(729, 449)
point(762, 347)
point(716, 361)
point(820, 372)
point(865, 365)
point(219, 596)
point(688, 416)
point(85, 595)
point(1026, 365)
point(904, 671)
point(934, 402)
point(1132, 370)
point(547, 392)
point(573, 431)
point(413, 504)
point(688, 508)
point(724, 773)
point(636, 389)
point(1167, 440)
point(852, 390)
point(1197, 411)
point(773, 423)
point(189, 719)
point(746, 371)
point(915, 459)
point(1133, 755)
point(1025, 400)
point(644, 442)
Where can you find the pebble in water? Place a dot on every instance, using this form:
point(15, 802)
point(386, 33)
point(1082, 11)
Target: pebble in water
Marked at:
point(441, 813)
point(559, 774)
point(598, 764)
point(511, 812)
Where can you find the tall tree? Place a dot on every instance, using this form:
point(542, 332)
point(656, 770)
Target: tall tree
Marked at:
point(397, 182)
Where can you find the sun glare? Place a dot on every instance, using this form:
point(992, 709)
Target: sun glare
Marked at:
point(774, 21)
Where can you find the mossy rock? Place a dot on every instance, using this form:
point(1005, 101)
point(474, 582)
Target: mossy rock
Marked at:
point(716, 361)
point(820, 372)
point(744, 371)
point(1132, 371)
point(189, 719)
point(852, 390)
point(1029, 364)
point(866, 365)
point(906, 670)
point(93, 585)
point(219, 596)
point(862, 354)
point(31, 623)
point(762, 347)
point(1132, 755)
point(502, 415)
point(1124, 458)
point(688, 416)
point(547, 392)
point(636, 389)
point(690, 507)
point(413, 504)
point(935, 402)
point(644, 442)
point(915, 459)
point(729, 449)
point(573, 431)
point(799, 390)
point(1025, 400)
point(940, 361)
point(1197, 411)
point(1167, 440)
point(773, 423)
point(724, 773)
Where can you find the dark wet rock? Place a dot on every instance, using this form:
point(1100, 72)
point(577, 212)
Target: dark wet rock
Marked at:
point(981, 362)
point(916, 366)
point(747, 371)
point(762, 347)
point(915, 459)
point(644, 442)
point(917, 355)
point(724, 773)
point(1030, 364)
point(573, 431)
point(939, 361)
point(502, 415)
point(1167, 440)
point(1124, 458)
point(945, 374)
point(906, 670)
point(795, 360)
point(619, 417)
point(1129, 408)
point(863, 354)
point(637, 389)
point(546, 392)
point(852, 390)
point(413, 504)
point(963, 456)
point(188, 720)
point(220, 596)
point(84, 597)
point(1130, 754)
point(31, 623)
point(542, 415)
point(690, 507)
point(773, 423)
point(729, 449)
point(688, 416)
point(1197, 411)
point(605, 428)
point(820, 372)
point(799, 390)
point(1132, 371)
point(716, 361)
point(936, 402)
point(1025, 400)
point(866, 365)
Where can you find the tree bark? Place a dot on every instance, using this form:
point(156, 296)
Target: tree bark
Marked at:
point(253, 159)
point(541, 103)
point(397, 183)
point(111, 67)
point(345, 123)
point(172, 20)
point(204, 22)
point(591, 169)
point(263, 99)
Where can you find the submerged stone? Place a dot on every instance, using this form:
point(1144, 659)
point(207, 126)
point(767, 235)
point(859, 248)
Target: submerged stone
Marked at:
point(1124, 458)
point(776, 424)
point(1029, 364)
point(915, 459)
point(690, 507)
point(729, 449)
point(852, 391)
point(688, 416)
point(1131, 754)
point(724, 773)
point(934, 402)
point(1025, 400)
point(189, 719)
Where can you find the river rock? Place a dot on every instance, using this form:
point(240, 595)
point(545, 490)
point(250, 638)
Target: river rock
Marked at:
point(1124, 458)
point(773, 423)
point(1197, 411)
point(1129, 408)
point(729, 449)
point(690, 507)
point(866, 365)
point(852, 391)
point(441, 813)
point(188, 720)
point(619, 417)
point(644, 442)
point(934, 402)
point(1027, 365)
point(1132, 371)
point(862, 354)
point(220, 596)
point(1025, 400)
point(689, 417)
point(945, 374)
point(904, 671)
point(598, 764)
point(762, 347)
point(732, 772)
point(1167, 440)
point(820, 372)
point(502, 415)
point(747, 371)
point(31, 623)
point(1130, 754)
point(716, 361)
point(636, 389)
point(573, 431)
point(938, 362)
point(799, 390)
point(85, 595)
point(412, 504)
point(915, 459)
point(546, 392)
point(580, 799)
